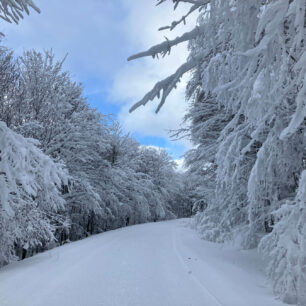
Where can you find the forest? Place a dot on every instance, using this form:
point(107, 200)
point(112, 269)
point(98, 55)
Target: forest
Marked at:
point(67, 171)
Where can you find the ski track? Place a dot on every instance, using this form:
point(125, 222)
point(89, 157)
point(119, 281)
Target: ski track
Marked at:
point(194, 278)
point(156, 264)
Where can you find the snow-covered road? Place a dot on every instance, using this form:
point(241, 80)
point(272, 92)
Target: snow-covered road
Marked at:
point(158, 264)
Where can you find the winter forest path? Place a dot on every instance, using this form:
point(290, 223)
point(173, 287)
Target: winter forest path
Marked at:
point(162, 264)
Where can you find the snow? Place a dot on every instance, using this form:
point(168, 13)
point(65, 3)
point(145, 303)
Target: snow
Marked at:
point(162, 263)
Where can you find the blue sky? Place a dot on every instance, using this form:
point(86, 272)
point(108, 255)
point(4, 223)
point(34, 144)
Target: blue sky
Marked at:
point(98, 37)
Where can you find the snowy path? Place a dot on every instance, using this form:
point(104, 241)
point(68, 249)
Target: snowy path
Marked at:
point(152, 264)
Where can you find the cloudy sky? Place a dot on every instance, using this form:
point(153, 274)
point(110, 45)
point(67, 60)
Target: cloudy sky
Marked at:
point(98, 36)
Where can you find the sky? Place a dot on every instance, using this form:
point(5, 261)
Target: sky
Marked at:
point(98, 37)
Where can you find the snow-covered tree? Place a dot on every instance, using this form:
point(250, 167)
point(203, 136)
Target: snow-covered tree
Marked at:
point(30, 195)
point(286, 248)
point(54, 111)
point(113, 181)
point(158, 166)
point(8, 79)
point(247, 118)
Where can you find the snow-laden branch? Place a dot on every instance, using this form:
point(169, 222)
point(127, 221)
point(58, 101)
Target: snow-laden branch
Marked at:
point(168, 84)
point(12, 10)
point(165, 47)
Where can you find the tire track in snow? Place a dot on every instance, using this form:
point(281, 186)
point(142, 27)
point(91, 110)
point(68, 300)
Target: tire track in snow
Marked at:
point(193, 277)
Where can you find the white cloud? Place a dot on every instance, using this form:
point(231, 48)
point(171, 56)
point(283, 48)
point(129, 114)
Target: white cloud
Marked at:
point(134, 79)
point(99, 36)
point(89, 31)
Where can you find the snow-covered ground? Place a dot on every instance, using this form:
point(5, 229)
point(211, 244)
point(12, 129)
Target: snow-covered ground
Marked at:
point(158, 264)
